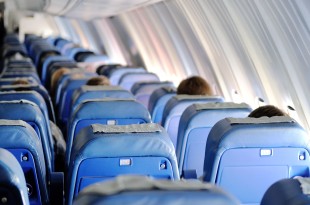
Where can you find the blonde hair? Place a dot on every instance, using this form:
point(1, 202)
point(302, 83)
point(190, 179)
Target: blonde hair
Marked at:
point(56, 76)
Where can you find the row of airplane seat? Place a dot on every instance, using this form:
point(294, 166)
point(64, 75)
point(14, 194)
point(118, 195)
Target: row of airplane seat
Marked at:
point(138, 125)
point(26, 113)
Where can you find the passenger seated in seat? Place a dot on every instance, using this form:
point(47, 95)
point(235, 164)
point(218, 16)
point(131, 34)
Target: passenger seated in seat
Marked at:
point(55, 77)
point(194, 85)
point(99, 80)
point(21, 82)
point(267, 111)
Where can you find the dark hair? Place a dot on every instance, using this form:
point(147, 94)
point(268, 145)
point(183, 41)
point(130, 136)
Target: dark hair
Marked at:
point(267, 111)
point(99, 80)
point(194, 86)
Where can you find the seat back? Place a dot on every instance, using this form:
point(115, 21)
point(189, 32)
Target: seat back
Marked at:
point(87, 92)
point(31, 113)
point(66, 96)
point(117, 72)
point(21, 74)
point(21, 140)
point(48, 61)
point(32, 96)
point(129, 79)
point(175, 108)
point(246, 155)
point(143, 90)
point(288, 192)
point(9, 81)
point(194, 127)
point(13, 188)
point(108, 111)
point(101, 152)
point(62, 81)
point(145, 190)
point(158, 101)
point(38, 88)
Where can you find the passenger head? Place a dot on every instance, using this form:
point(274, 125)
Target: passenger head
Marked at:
point(56, 76)
point(194, 86)
point(266, 111)
point(99, 80)
point(21, 82)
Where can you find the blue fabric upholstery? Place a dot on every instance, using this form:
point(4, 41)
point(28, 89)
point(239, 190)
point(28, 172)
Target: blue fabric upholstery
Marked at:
point(9, 81)
point(12, 180)
point(97, 58)
point(194, 127)
point(47, 62)
point(21, 74)
point(87, 92)
point(38, 88)
point(66, 79)
point(117, 73)
point(158, 101)
point(175, 108)
point(65, 100)
point(117, 149)
point(74, 51)
point(128, 79)
point(21, 140)
point(141, 190)
point(104, 111)
point(32, 96)
point(31, 113)
point(246, 155)
point(143, 90)
point(62, 81)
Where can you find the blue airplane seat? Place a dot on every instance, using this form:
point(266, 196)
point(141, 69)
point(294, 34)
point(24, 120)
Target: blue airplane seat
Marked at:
point(9, 81)
point(13, 49)
point(54, 66)
point(60, 43)
point(75, 51)
point(246, 155)
point(158, 101)
point(116, 73)
point(143, 90)
point(66, 97)
point(16, 68)
point(41, 50)
point(48, 61)
point(21, 74)
point(62, 82)
point(194, 127)
point(38, 88)
point(31, 113)
point(175, 107)
point(21, 140)
point(96, 58)
point(106, 69)
point(142, 190)
point(13, 188)
point(87, 92)
point(129, 79)
point(288, 192)
point(32, 96)
point(110, 111)
point(101, 152)
point(11, 38)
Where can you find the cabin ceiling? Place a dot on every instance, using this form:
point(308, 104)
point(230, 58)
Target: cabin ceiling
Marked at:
point(85, 9)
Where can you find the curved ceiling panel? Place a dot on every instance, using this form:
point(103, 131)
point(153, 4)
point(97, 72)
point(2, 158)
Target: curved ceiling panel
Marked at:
point(89, 9)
